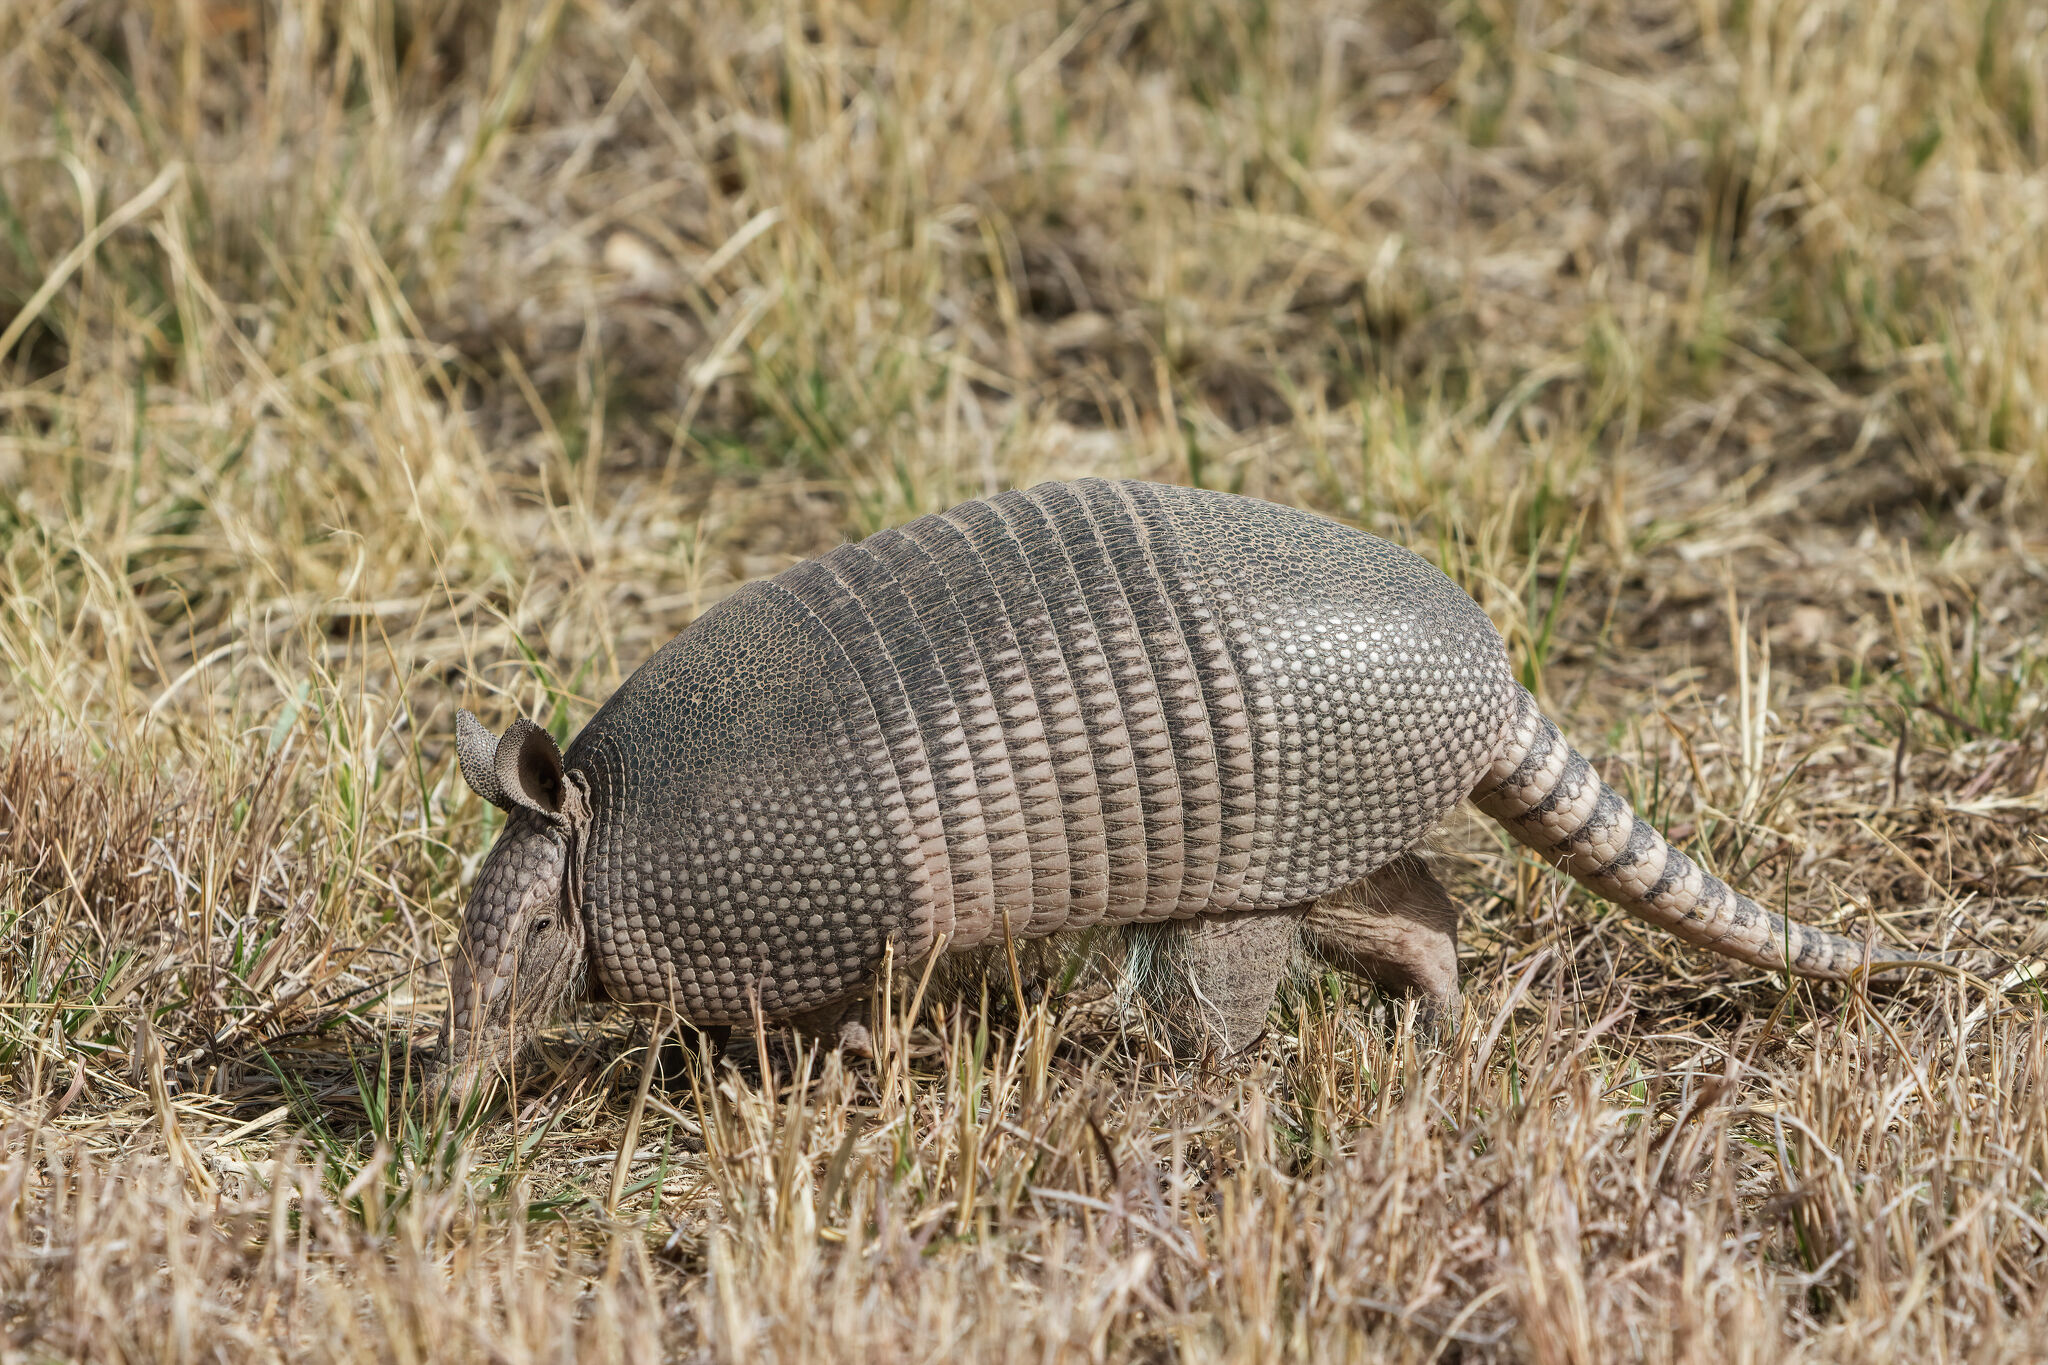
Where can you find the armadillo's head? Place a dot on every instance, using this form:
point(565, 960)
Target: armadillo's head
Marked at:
point(521, 955)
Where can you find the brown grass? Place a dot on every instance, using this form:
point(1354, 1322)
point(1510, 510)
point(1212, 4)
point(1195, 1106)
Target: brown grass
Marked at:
point(360, 361)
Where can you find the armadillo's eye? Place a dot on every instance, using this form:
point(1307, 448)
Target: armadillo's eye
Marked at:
point(542, 924)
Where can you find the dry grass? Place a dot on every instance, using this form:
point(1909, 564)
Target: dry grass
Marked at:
point(359, 361)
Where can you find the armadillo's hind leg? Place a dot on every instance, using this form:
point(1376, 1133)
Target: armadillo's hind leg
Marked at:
point(1211, 980)
point(842, 1024)
point(1397, 928)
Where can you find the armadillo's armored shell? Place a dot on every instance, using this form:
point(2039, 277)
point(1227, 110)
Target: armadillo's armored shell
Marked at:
point(1090, 702)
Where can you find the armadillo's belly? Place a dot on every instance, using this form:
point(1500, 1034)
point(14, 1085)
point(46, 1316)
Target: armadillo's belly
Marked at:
point(1089, 702)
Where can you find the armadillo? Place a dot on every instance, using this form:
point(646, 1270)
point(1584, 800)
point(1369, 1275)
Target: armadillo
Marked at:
point(1087, 704)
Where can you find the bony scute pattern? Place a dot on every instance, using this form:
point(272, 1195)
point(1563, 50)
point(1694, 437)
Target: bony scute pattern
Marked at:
point(1085, 703)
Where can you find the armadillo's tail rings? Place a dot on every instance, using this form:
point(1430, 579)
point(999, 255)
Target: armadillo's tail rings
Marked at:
point(1549, 797)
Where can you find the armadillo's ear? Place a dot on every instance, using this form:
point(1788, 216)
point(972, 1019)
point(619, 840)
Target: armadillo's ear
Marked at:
point(476, 750)
point(529, 768)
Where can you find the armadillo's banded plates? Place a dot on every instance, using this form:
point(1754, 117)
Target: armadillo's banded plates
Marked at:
point(938, 605)
point(1130, 670)
point(914, 661)
point(1122, 832)
point(1069, 746)
point(1220, 600)
point(1223, 697)
point(1020, 723)
point(1191, 750)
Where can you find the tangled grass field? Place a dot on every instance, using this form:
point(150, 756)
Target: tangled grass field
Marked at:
point(360, 361)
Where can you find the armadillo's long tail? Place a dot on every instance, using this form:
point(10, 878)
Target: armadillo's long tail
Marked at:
point(1550, 798)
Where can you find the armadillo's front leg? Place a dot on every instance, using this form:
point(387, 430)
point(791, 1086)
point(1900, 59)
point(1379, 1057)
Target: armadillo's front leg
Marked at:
point(1212, 979)
point(1397, 928)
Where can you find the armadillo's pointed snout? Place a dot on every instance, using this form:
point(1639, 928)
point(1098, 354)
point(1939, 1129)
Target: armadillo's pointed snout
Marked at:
point(479, 1036)
point(465, 1064)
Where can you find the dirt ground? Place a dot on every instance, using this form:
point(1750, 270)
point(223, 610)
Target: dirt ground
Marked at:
point(361, 361)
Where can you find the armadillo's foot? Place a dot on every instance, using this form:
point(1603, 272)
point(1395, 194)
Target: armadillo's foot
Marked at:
point(842, 1025)
point(1397, 928)
point(855, 1038)
point(1211, 980)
